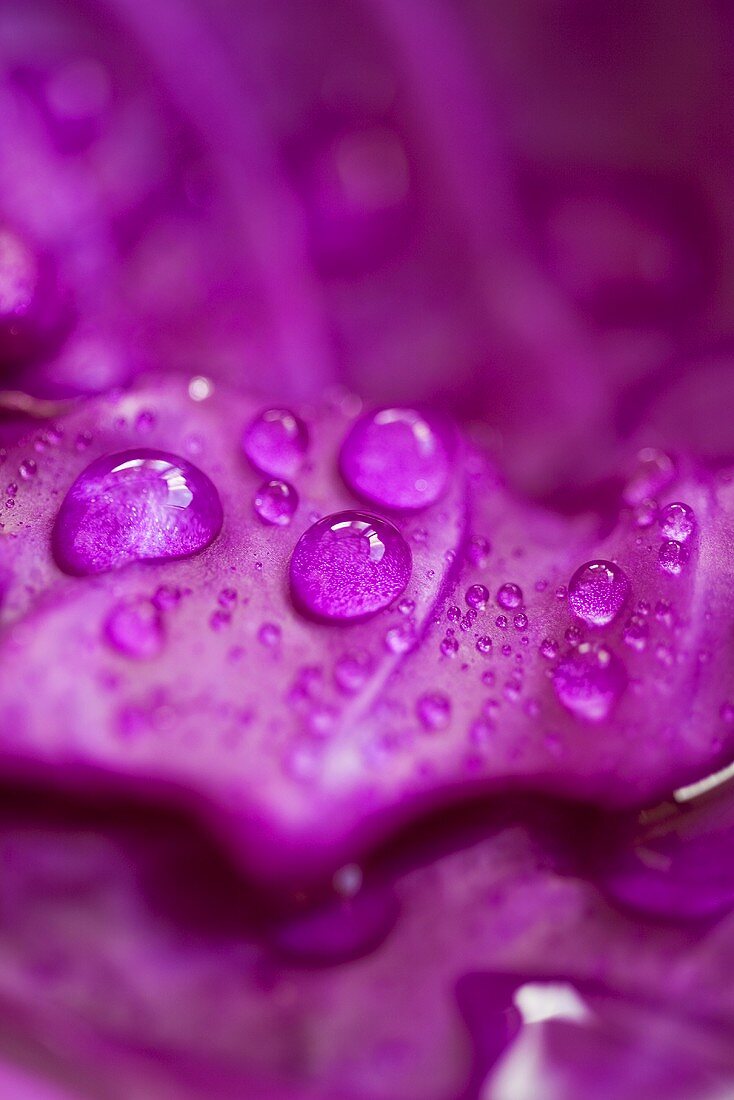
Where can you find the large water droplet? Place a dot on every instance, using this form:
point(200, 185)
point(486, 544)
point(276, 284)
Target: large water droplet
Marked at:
point(276, 442)
point(275, 503)
point(135, 506)
point(597, 592)
point(134, 627)
point(678, 521)
point(589, 681)
point(349, 565)
point(397, 458)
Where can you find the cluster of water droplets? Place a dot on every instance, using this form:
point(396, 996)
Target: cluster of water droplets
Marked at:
point(677, 526)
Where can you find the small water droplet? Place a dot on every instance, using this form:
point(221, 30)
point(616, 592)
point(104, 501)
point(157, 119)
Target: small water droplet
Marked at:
point(134, 627)
point(406, 606)
point(397, 458)
point(276, 442)
point(672, 557)
point(509, 596)
point(400, 639)
point(453, 613)
point(726, 713)
point(139, 505)
point(678, 521)
point(549, 649)
point(349, 565)
point(645, 513)
point(654, 471)
point(520, 621)
point(589, 681)
point(220, 619)
point(434, 710)
point(227, 598)
point(484, 645)
point(275, 502)
point(597, 592)
point(477, 597)
point(449, 645)
point(269, 635)
point(478, 550)
point(166, 596)
point(145, 421)
point(636, 633)
point(352, 671)
point(28, 469)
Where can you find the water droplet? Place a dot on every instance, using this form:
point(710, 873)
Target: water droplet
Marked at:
point(227, 598)
point(406, 606)
point(478, 550)
point(165, 597)
point(636, 633)
point(220, 619)
point(399, 639)
point(449, 645)
point(434, 710)
point(397, 458)
point(140, 505)
point(352, 671)
point(645, 513)
point(145, 421)
point(654, 470)
point(269, 635)
point(678, 521)
point(135, 628)
point(672, 557)
point(28, 469)
point(484, 645)
point(726, 713)
point(664, 613)
point(349, 565)
point(276, 442)
point(275, 502)
point(549, 649)
point(501, 622)
point(520, 621)
point(477, 596)
point(597, 592)
point(453, 613)
point(509, 596)
point(589, 681)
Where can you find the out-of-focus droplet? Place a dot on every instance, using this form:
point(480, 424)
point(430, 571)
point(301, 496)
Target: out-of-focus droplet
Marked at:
point(397, 458)
point(654, 470)
point(352, 671)
point(276, 442)
point(589, 681)
point(134, 627)
point(434, 710)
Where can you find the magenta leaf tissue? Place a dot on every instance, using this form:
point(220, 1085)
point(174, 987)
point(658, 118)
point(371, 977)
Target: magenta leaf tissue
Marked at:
point(366, 525)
